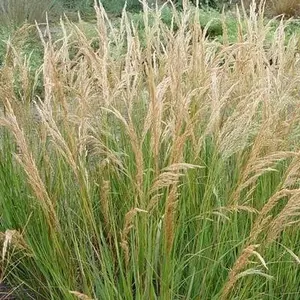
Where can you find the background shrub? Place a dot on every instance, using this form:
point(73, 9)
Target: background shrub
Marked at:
point(17, 12)
point(116, 6)
point(84, 6)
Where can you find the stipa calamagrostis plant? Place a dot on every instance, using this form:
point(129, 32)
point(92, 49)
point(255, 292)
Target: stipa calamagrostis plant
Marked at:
point(127, 226)
point(12, 238)
point(80, 295)
point(235, 273)
point(171, 161)
point(12, 243)
point(26, 160)
point(288, 216)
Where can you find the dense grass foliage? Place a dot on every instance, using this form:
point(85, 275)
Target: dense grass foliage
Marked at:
point(157, 167)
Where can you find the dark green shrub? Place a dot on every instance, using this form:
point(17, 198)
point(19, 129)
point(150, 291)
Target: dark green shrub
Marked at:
point(80, 5)
point(17, 12)
point(116, 6)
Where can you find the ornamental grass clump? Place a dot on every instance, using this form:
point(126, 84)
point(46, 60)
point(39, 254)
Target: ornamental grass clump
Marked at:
point(162, 164)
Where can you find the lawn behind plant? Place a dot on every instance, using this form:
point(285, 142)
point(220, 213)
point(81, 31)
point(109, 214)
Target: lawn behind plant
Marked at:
point(162, 168)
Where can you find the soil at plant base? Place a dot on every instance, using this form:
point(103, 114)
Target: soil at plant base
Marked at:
point(6, 293)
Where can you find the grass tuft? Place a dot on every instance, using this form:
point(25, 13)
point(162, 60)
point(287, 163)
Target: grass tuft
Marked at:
point(154, 161)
